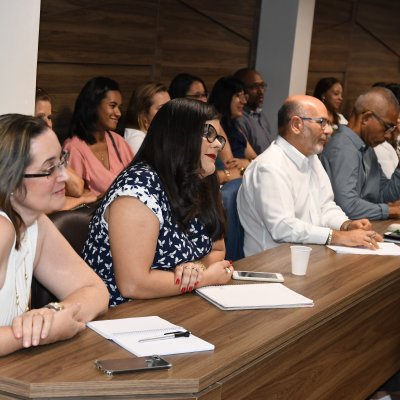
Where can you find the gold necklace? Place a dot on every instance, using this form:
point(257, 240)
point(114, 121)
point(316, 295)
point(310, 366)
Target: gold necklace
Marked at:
point(17, 299)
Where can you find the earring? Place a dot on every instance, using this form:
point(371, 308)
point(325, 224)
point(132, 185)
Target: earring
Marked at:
point(323, 98)
point(12, 193)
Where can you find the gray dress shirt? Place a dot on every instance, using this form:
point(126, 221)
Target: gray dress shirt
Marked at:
point(255, 126)
point(359, 184)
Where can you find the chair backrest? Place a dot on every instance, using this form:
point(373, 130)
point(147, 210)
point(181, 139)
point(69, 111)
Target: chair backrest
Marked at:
point(74, 225)
point(234, 239)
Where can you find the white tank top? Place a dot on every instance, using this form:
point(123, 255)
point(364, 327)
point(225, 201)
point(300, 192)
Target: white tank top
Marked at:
point(18, 276)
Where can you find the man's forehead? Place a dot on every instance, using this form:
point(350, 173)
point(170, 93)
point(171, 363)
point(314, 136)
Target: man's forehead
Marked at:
point(252, 77)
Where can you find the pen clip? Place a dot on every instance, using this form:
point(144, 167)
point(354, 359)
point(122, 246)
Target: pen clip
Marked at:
point(167, 335)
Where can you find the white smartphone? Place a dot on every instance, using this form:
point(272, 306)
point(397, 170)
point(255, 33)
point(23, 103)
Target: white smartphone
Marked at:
point(258, 276)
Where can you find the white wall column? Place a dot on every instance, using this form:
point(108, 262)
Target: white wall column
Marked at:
point(19, 33)
point(283, 50)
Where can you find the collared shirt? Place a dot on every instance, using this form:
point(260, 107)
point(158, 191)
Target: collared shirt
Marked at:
point(255, 126)
point(360, 186)
point(387, 158)
point(286, 197)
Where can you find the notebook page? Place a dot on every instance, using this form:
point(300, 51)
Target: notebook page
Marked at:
point(251, 296)
point(108, 328)
point(191, 344)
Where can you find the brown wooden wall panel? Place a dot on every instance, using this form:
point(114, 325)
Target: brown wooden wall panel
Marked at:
point(134, 41)
point(356, 41)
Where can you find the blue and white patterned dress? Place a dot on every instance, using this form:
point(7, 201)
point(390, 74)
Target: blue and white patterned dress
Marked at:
point(174, 246)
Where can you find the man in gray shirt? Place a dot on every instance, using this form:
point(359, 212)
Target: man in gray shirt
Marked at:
point(254, 123)
point(360, 187)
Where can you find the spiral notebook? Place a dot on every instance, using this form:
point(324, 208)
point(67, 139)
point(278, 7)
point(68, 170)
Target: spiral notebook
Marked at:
point(253, 296)
point(127, 332)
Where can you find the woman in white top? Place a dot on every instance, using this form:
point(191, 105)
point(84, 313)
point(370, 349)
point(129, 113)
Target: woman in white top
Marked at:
point(32, 180)
point(144, 103)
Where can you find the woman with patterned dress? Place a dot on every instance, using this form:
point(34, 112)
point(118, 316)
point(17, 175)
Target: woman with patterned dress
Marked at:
point(159, 229)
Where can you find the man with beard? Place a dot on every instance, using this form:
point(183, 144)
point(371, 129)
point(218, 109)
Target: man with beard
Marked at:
point(286, 195)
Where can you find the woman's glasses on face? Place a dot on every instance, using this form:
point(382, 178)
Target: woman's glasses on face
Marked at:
point(197, 96)
point(211, 134)
point(50, 171)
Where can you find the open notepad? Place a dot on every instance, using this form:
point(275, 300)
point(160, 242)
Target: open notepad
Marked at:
point(251, 296)
point(128, 331)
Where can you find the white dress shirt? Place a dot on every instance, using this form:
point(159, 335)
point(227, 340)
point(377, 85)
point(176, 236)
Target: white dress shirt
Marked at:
point(286, 197)
point(387, 158)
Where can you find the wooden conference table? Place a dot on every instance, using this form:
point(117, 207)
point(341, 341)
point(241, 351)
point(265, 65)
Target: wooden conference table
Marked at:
point(342, 348)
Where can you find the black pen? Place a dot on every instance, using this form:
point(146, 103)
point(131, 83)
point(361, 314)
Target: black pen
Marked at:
point(169, 335)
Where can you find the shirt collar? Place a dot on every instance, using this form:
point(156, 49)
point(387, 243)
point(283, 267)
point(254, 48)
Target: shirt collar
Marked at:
point(354, 138)
point(301, 161)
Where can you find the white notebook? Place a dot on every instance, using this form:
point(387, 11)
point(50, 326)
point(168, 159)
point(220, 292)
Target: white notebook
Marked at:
point(128, 331)
point(252, 296)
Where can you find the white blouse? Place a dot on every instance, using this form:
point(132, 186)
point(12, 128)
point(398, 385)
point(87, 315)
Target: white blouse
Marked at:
point(18, 277)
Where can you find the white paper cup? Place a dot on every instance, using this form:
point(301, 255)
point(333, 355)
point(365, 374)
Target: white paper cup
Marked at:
point(300, 256)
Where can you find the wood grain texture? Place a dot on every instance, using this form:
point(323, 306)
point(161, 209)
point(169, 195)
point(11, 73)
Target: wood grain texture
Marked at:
point(136, 41)
point(343, 347)
point(356, 41)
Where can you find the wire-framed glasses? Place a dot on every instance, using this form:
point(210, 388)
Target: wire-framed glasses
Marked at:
point(50, 171)
point(322, 121)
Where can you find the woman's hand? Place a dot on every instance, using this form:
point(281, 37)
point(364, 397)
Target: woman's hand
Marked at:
point(188, 275)
point(218, 273)
point(42, 326)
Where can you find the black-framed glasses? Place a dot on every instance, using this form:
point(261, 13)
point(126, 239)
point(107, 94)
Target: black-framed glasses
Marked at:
point(257, 86)
point(211, 134)
point(322, 121)
point(50, 171)
point(389, 128)
point(197, 96)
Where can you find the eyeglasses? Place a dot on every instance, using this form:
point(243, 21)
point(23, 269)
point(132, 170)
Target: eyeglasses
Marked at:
point(389, 128)
point(242, 96)
point(257, 86)
point(50, 171)
point(211, 135)
point(197, 96)
point(322, 121)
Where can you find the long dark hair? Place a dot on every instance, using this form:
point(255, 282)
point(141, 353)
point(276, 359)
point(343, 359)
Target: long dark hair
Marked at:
point(172, 147)
point(84, 119)
point(221, 96)
point(16, 133)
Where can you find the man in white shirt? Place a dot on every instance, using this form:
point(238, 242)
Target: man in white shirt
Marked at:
point(286, 195)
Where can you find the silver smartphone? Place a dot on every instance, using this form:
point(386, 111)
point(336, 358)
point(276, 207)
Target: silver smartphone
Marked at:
point(258, 276)
point(121, 365)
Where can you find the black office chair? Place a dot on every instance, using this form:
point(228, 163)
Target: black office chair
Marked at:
point(74, 225)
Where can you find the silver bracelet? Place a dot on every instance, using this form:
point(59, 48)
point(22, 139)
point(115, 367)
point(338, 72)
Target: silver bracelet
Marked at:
point(329, 240)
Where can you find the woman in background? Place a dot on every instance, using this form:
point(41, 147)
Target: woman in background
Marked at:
point(330, 92)
point(32, 181)
point(159, 229)
point(145, 101)
point(97, 153)
point(193, 87)
point(229, 98)
point(75, 192)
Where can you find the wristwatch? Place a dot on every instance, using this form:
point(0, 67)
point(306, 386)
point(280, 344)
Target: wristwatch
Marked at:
point(54, 306)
